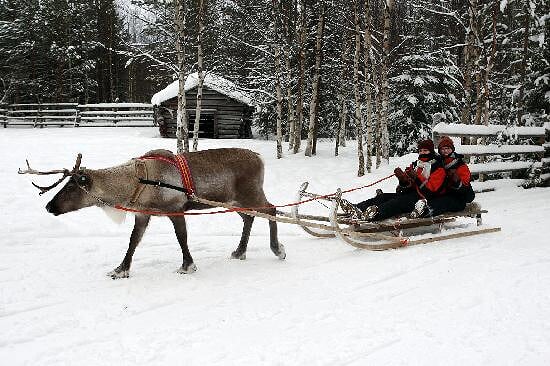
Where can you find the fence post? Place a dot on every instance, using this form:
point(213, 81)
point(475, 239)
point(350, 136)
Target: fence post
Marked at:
point(115, 109)
point(77, 116)
point(4, 114)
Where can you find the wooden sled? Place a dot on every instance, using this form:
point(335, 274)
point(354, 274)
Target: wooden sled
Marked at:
point(383, 235)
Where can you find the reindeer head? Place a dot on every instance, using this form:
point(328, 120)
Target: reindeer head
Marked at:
point(73, 196)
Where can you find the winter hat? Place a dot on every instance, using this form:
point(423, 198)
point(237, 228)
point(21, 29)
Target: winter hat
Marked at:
point(426, 144)
point(446, 141)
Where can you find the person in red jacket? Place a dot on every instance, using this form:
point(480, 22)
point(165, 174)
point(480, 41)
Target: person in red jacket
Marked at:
point(457, 189)
point(423, 179)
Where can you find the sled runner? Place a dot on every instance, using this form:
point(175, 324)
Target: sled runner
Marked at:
point(386, 234)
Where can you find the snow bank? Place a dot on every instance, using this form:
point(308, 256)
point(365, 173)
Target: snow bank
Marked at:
point(498, 149)
point(482, 130)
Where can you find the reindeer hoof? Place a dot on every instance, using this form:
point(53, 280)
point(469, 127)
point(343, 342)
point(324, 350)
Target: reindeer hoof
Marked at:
point(280, 252)
point(237, 255)
point(188, 269)
point(118, 273)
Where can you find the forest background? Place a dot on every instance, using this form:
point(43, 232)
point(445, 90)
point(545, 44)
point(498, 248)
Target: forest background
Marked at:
point(382, 70)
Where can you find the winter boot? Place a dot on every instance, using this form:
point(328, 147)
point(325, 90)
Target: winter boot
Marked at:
point(421, 209)
point(350, 209)
point(370, 213)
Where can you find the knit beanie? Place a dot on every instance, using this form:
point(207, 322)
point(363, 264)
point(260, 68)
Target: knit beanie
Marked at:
point(446, 141)
point(426, 144)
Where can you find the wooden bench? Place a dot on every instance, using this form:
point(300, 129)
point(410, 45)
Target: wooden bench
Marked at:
point(517, 151)
point(116, 115)
point(41, 115)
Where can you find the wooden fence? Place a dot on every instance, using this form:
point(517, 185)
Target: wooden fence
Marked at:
point(77, 115)
point(500, 151)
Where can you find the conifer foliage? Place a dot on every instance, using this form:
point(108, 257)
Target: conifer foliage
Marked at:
point(382, 71)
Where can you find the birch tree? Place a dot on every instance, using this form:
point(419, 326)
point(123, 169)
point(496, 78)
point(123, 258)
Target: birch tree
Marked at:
point(343, 94)
point(525, 56)
point(490, 64)
point(302, 35)
point(357, 92)
point(200, 73)
point(278, 72)
point(288, 9)
point(368, 91)
point(182, 131)
point(388, 9)
point(313, 106)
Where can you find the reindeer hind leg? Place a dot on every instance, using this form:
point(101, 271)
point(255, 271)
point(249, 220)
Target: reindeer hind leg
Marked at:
point(240, 252)
point(276, 247)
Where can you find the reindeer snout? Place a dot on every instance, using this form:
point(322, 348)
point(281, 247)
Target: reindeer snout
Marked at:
point(50, 207)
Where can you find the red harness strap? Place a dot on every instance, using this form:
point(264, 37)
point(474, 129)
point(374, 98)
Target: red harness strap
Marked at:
point(181, 164)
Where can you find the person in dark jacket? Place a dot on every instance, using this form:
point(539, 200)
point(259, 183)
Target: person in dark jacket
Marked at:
point(457, 188)
point(423, 179)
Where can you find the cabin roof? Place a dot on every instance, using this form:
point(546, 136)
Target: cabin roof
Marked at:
point(211, 81)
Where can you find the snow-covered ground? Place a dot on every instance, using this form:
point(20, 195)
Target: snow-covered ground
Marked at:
point(482, 300)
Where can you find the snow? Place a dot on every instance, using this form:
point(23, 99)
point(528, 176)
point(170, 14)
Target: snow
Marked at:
point(211, 81)
point(477, 300)
point(115, 105)
point(486, 130)
point(498, 149)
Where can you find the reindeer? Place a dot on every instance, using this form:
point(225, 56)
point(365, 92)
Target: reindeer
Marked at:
point(230, 176)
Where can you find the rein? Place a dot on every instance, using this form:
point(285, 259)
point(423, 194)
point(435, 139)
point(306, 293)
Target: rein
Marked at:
point(188, 188)
point(232, 209)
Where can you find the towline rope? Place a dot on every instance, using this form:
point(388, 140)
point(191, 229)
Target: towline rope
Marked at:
point(233, 209)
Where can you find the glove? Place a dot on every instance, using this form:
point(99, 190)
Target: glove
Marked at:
point(402, 177)
point(411, 174)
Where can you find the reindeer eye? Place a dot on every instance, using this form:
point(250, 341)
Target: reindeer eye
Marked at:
point(82, 180)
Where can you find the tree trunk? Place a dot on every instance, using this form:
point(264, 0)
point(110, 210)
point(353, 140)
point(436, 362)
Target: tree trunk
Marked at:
point(301, 76)
point(368, 91)
point(466, 114)
point(200, 72)
point(182, 132)
point(343, 95)
point(376, 81)
point(313, 106)
point(291, 120)
point(287, 51)
point(490, 64)
point(278, 72)
point(357, 94)
point(388, 9)
point(520, 104)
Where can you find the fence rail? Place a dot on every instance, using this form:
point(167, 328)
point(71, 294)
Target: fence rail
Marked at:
point(522, 152)
point(77, 115)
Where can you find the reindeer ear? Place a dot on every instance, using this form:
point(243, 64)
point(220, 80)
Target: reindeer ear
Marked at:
point(117, 216)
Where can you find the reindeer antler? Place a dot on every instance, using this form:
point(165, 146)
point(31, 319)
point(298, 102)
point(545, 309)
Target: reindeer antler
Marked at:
point(66, 173)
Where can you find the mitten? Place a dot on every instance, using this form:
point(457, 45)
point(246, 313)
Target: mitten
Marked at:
point(411, 174)
point(402, 177)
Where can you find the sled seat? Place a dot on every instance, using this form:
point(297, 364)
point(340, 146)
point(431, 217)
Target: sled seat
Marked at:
point(472, 210)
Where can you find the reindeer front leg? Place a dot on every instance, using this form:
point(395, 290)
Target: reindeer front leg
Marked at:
point(181, 233)
point(123, 271)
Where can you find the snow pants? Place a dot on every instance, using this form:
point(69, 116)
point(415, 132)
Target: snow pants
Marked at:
point(451, 202)
point(391, 204)
point(446, 203)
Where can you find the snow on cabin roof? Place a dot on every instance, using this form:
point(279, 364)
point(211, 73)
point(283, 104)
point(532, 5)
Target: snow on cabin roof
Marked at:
point(211, 81)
